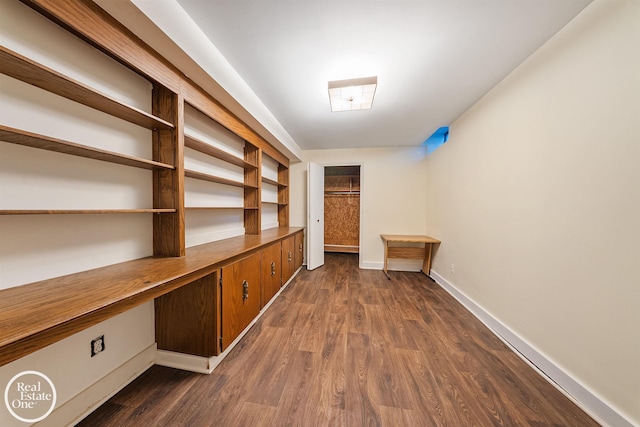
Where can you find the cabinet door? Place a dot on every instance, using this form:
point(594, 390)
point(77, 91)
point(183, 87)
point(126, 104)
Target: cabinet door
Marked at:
point(299, 247)
point(240, 296)
point(288, 258)
point(271, 272)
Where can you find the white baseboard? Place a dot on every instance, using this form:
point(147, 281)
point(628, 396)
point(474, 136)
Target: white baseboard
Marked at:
point(92, 397)
point(370, 265)
point(206, 365)
point(393, 265)
point(569, 386)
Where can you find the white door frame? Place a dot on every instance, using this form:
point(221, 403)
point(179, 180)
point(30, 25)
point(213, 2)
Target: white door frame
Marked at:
point(362, 204)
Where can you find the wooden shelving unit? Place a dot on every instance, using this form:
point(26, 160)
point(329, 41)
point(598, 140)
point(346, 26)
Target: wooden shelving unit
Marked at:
point(41, 313)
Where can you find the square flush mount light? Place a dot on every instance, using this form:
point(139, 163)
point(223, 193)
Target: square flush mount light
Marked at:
point(353, 94)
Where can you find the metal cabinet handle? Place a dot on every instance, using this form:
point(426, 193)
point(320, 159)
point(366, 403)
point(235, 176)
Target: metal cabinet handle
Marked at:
point(273, 268)
point(245, 290)
point(289, 256)
point(300, 248)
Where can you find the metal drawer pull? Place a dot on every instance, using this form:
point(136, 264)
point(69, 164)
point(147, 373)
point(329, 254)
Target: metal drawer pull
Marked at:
point(245, 290)
point(289, 258)
point(273, 268)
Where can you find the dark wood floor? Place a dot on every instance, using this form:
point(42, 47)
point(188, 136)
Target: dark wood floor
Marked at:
point(347, 347)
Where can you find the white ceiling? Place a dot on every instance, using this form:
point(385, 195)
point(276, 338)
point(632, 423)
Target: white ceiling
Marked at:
point(433, 59)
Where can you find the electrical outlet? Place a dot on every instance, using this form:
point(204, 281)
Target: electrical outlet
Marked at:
point(97, 345)
point(453, 268)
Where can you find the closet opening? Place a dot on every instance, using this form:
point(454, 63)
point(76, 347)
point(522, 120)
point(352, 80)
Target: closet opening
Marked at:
point(342, 209)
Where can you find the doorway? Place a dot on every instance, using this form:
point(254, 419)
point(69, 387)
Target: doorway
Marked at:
point(342, 209)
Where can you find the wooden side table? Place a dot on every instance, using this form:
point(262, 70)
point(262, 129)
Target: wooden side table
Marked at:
point(424, 253)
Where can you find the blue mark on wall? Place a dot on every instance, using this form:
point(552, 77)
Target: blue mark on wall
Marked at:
point(438, 138)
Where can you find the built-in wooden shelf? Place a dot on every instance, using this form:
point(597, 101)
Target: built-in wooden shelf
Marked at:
point(29, 139)
point(269, 181)
point(219, 207)
point(35, 315)
point(217, 179)
point(19, 67)
point(203, 147)
point(268, 202)
point(80, 211)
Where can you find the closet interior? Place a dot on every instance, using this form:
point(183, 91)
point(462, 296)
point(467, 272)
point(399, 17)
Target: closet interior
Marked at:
point(342, 209)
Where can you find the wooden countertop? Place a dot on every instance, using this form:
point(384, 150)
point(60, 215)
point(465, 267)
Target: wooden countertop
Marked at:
point(38, 314)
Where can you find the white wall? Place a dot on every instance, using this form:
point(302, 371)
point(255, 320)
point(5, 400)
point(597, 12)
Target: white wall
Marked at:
point(392, 195)
point(536, 198)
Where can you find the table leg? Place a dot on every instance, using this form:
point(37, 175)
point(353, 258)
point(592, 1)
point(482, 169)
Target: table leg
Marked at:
point(386, 254)
point(426, 264)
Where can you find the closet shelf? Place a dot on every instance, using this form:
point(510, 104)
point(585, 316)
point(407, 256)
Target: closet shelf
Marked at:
point(19, 67)
point(268, 202)
point(29, 139)
point(216, 179)
point(203, 147)
point(80, 211)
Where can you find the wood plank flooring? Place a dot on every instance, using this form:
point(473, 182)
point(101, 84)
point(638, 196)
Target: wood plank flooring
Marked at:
point(347, 347)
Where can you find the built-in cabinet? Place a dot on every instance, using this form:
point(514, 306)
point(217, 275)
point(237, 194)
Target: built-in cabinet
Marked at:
point(201, 301)
point(204, 317)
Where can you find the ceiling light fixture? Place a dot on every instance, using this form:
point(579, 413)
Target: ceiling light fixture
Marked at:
point(353, 94)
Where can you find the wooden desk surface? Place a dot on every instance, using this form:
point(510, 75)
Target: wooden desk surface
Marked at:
point(408, 238)
point(35, 315)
